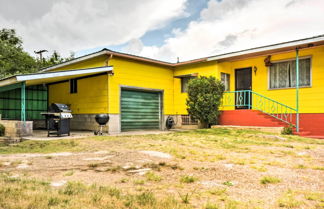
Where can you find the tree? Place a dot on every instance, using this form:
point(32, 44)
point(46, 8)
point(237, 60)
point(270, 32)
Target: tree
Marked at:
point(13, 60)
point(204, 98)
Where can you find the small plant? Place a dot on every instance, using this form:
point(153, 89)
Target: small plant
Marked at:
point(188, 179)
point(218, 191)
point(300, 166)
point(228, 183)
point(151, 176)
point(123, 180)
point(211, 206)
point(69, 173)
point(146, 198)
point(74, 188)
point(185, 198)
point(53, 201)
point(139, 182)
point(269, 180)
point(114, 169)
point(288, 130)
point(93, 165)
point(2, 130)
point(288, 200)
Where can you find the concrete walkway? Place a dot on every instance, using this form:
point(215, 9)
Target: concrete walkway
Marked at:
point(41, 135)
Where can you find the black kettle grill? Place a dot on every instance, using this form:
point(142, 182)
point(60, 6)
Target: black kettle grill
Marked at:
point(102, 120)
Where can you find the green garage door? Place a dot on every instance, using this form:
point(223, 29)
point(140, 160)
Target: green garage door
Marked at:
point(140, 110)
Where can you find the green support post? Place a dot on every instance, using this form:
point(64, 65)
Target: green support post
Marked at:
point(297, 91)
point(23, 102)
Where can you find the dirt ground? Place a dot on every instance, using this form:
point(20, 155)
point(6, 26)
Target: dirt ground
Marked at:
point(229, 169)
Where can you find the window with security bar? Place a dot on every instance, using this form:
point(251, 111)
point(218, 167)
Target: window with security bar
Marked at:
point(283, 74)
point(186, 120)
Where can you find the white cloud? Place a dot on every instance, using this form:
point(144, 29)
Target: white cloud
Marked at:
point(232, 25)
point(72, 25)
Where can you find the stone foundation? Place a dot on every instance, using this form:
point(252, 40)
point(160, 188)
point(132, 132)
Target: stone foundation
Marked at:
point(39, 124)
point(85, 122)
point(17, 129)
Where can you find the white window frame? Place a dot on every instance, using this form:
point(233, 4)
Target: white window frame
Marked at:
point(229, 80)
point(291, 59)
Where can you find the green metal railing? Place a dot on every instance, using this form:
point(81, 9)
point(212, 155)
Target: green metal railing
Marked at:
point(247, 99)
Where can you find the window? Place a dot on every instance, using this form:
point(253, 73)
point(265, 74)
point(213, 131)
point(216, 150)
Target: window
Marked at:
point(283, 74)
point(73, 86)
point(184, 83)
point(186, 120)
point(225, 78)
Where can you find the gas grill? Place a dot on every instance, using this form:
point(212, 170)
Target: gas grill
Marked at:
point(58, 119)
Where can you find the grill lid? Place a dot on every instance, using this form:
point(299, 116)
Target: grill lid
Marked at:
point(56, 107)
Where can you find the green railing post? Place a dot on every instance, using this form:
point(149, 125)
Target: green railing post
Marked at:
point(23, 102)
point(297, 91)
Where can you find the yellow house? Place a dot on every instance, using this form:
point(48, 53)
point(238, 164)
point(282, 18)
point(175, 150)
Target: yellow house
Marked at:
point(139, 93)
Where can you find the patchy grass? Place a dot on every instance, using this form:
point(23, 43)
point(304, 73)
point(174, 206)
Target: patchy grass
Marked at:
point(151, 176)
point(37, 194)
point(41, 147)
point(289, 200)
point(197, 175)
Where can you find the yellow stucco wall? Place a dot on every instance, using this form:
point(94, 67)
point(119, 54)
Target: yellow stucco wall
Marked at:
point(141, 75)
point(91, 97)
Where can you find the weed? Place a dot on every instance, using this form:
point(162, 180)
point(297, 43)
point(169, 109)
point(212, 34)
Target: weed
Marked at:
point(93, 165)
point(123, 180)
point(300, 166)
point(139, 182)
point(288, 200)
point(114, 169)
point(146, 198)
point(69, 173)
point(151, 176)
point(260, 168)
point(53, 201)
point(321, 168)
point(188, 179)
point(218, 191)
point(228, 183)
point(185, 198)
point(211, 206)
point(288, 130)
point(314, 196)
point(73, 188)
point(269, 180)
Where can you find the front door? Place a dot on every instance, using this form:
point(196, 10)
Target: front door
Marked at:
point(243, 82)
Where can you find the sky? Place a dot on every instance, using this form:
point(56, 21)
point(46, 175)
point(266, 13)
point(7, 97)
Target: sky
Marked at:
point(162, 30)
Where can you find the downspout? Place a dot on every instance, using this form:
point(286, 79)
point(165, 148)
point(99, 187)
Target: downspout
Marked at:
point(107, 64)
point(297, 91)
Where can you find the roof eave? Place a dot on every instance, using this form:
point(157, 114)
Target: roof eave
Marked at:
point(277, 48)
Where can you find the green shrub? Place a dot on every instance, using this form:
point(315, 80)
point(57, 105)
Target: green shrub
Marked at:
point(287, 130)
point(204, 98)
point(2, 130)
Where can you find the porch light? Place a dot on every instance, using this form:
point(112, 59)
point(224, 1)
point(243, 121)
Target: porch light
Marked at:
point(255, 69)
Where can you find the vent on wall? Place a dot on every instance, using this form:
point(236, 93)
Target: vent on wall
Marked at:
point(186, 120)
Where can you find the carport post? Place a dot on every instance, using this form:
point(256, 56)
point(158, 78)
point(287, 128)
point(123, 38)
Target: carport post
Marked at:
point(297, 90)
point(23, 102)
